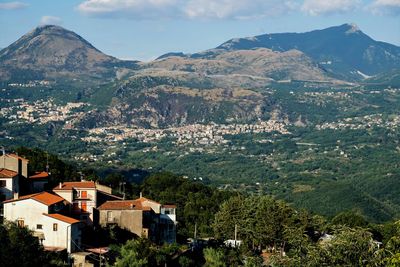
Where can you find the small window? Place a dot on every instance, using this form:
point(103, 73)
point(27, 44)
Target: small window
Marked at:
point(39, 226)
point(55, 227)
point(3, 183)
point(20, 223)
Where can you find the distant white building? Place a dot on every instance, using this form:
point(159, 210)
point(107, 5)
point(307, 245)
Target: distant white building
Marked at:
point(38, 212)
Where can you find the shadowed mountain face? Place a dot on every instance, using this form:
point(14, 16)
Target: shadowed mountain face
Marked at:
point(343, 50)
point(52, 51)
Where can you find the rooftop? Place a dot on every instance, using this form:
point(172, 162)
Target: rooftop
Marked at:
point(62, 218)
point(123, 205)
point(39, 175)
point(5, 173)
point(72, 185)
point(42, 197)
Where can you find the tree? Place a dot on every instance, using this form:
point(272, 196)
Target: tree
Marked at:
point(18, 247)
point(350, 219)
point(135, 253)
point(214, 257)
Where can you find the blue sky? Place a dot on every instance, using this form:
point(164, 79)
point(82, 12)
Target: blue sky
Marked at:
point(145, 29)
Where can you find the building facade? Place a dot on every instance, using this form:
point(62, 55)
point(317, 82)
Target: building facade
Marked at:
point(40, 213)
point(143, 217)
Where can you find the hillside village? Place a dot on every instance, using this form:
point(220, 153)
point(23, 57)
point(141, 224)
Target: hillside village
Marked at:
point(58, 215)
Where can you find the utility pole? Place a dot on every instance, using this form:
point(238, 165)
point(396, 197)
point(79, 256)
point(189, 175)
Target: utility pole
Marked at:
point(195, 231)
point(235, 234)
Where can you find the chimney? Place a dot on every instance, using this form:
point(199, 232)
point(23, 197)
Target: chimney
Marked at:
point(60, 185)
point(16, 195)
point(141, 195)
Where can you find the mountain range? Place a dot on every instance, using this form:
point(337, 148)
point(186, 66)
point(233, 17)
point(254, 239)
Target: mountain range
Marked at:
point(224, 84)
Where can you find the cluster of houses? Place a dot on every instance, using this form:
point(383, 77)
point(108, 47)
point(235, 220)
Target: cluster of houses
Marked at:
point(58, 216)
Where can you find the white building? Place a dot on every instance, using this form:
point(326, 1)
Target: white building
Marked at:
point(38, 212)
point(85, 197)
point(9, 184)
point(82, 196)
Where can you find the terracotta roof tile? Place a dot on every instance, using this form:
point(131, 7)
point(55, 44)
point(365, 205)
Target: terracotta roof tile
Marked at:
point(169, 206)
point(123, 205)
point(47, 198)
point(43, 197)
point(21, 198)
point(143, 199)
point(72, 185)
point(5, 173)
point(39, 175)
point(62, 218)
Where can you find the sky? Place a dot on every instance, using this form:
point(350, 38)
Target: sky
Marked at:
point(145, 29)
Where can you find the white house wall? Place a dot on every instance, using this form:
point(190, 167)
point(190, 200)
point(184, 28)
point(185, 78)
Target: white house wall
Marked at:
point(28, 210)
point(10, 188)
point(65, 237)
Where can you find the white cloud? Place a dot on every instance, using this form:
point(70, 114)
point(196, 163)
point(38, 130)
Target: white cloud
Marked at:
point(385, 7)
point(321, 7)
point(50, 20)
point(192, 9)
point(13, 5)
point(135, 9)
point(236, 9)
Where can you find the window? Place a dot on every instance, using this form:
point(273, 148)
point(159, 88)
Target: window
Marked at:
point(109, 216)
point(84, 206)
point(39, 226)
point(83, 194)
point(3, 183)
point(55, 227)
point(20, 223)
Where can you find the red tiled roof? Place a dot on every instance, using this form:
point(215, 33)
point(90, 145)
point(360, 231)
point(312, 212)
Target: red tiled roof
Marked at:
point(43, 197)
point(143, 199)
point(72, 185)
point(62, 218)
point(21, 198)
point(39, 175)
point(169, 206)
point(47, 198)
point(16, 157)
point(5, 173)
point(123, 205)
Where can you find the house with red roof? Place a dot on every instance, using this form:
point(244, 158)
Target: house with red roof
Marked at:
point(85, 197)
point(42, 213)
point(142, 216)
